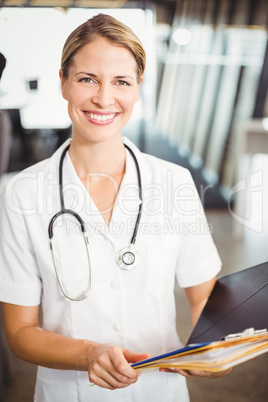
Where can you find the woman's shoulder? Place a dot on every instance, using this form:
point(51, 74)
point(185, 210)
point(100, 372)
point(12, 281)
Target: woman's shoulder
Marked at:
point(159, 163)
point(164, 169)
point(155, 165)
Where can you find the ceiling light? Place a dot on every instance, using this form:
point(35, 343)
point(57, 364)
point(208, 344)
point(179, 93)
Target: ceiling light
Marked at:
point(182, 36)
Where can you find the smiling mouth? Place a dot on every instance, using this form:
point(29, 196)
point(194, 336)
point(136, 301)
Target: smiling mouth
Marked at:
point(100, 117)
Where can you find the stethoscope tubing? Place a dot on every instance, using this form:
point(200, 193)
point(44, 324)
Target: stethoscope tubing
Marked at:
point(126, 254)
point(135, 232)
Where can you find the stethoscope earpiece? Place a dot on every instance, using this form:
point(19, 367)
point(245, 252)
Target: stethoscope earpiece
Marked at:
point(127, 258)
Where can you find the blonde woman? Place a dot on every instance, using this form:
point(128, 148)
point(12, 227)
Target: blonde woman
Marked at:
point(96, 235)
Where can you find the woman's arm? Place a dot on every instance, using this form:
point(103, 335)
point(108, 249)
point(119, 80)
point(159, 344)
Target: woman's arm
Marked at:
point(198, 296)
point(107, 365)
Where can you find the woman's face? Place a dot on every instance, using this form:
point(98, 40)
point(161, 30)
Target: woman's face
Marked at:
point(101, 90)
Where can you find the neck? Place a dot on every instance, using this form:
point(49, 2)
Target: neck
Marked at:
point(104, 157)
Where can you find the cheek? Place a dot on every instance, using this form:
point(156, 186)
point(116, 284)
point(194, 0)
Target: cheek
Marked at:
point(77, 97)
point(63, 92)
point(130, 100)
point(137, 96)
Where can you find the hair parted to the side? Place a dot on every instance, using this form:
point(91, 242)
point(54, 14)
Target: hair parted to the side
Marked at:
point(109, 28)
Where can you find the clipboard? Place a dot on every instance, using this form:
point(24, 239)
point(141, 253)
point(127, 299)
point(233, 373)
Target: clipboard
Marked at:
point(224, 335)
point(211, 356)
point(238, 301)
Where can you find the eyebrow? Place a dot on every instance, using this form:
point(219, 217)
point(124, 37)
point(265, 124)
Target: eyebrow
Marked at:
point(122, 77)
point(89, 74)
point(118, 77)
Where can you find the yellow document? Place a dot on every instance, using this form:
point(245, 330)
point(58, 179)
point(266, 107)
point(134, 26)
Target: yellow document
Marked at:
point(213, 356)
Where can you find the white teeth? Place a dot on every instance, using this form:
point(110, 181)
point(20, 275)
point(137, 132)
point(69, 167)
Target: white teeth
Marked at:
point(100, 117)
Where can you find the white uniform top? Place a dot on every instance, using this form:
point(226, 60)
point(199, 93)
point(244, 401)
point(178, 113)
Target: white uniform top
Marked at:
point(134, 309)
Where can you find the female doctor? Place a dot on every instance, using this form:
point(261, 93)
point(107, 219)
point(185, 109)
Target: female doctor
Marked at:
point(95, 237)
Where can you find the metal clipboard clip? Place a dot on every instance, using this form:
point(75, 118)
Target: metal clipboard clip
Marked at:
point(246, 333)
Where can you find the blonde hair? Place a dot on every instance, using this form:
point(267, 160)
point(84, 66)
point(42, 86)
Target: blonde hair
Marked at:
point(109, 28)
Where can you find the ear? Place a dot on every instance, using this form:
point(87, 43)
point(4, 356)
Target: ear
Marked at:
point(63, 82)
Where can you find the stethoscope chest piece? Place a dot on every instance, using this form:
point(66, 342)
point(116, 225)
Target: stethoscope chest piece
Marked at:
point(127, 258)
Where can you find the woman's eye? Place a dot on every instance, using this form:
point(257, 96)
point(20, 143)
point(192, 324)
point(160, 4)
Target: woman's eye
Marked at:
point(122, 83)
point(87, 80)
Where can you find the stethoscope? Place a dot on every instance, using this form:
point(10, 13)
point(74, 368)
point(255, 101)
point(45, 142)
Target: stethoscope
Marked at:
point(127, 258)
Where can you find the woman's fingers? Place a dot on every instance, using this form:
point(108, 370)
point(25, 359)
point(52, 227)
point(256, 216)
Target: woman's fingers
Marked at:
point(111, 369)
point(207, 374)
point(107, 380)
point(198, 373)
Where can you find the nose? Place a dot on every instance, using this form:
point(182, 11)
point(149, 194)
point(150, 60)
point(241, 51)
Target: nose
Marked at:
point(103, 96)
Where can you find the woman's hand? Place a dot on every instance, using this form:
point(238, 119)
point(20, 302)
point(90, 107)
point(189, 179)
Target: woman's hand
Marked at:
point(109, 366)
point(198, 373)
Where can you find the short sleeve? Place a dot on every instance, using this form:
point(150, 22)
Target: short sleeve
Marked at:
point(198, 259)
point(20, 281)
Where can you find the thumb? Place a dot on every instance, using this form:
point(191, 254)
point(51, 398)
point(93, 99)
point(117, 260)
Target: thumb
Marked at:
point(133, 357)
point(141, 356)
